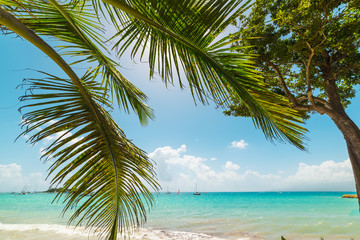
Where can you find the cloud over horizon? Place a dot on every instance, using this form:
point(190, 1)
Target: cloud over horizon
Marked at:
point(178, 170)
point(329, 175)
point(12, 179)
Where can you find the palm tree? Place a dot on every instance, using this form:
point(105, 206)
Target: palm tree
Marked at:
point(181, 36)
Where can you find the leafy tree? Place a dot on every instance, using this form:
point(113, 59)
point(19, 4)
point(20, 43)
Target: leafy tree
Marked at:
point(181, 36)
point(308, 51)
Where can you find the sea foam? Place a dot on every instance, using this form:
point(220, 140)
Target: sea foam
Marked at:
point(57, 228)
point(82, 233)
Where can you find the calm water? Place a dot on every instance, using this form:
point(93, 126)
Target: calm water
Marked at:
point(295, 215)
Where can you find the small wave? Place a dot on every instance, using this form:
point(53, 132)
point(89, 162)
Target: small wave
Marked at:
point(150, 234)
point(153, 234)
point(57, 228)
point(140, 234)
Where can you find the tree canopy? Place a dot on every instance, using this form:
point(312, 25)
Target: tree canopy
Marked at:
point(299, 45)
point(309, 52)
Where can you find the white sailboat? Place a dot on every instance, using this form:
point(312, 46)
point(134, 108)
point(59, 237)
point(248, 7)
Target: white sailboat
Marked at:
point(196, 191)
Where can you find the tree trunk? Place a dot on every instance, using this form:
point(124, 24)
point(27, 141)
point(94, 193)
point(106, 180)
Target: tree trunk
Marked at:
point(351, 133)
point(348, 128)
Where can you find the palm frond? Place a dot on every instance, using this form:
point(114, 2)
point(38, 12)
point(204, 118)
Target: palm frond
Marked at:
point(103, 159)
point(284, 121)
point(98, 157)
point(184, 35)
point(81, 37)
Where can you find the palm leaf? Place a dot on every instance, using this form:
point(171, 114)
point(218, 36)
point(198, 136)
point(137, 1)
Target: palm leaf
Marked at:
point(81, 37)
point(184, 35)
point(102, 161)
point(189, 41)
point(98, 157)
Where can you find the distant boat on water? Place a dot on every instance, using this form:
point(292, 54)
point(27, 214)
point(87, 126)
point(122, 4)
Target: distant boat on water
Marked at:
point(196, 192)
point(25, 190)
point(167, 191)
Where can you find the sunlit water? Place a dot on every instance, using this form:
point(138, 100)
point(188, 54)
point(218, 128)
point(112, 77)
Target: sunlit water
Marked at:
point(295, 215)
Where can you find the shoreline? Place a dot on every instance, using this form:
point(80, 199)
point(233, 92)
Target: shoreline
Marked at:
point(28, 231)
point(210, 216)
point(63, 232)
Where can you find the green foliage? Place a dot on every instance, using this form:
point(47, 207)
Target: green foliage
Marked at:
point(283, 34)
point(91, 153)
point(81, 37)
point(190, 41)
point(89, 157)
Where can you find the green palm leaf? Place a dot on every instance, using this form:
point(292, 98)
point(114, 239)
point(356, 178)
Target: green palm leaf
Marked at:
point(189, 42)
point(98, 157)
point(184, 35)
point(81, 37)
point(102, 161)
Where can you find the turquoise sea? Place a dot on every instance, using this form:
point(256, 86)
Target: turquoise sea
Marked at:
point(255, 215)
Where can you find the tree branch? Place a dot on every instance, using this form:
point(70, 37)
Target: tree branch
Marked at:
point(320, 109)
point(282, 83)
point(295, 101)
point(316, 99)
point(308, 80)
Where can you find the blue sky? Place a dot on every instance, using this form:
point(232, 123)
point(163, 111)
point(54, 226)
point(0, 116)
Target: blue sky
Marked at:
point(190, 144)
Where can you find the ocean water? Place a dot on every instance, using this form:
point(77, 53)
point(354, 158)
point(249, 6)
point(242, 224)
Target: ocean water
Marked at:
point(250, 216)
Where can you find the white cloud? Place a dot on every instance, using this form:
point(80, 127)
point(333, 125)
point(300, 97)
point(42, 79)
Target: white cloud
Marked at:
point(231, 166)
point(240, 144)
point(12, 179)
point(10, 171)
point(163, 156)
point(198, 167)
point(178, 170)
point(213, 159)
point(329, 175)
point(167, 158)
